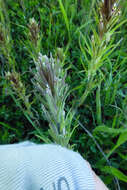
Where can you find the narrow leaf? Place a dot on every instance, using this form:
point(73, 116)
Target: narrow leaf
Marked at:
point(122, 139)
point(98, 106)
point(103, 128)
point(64, 14)
point(115, 172)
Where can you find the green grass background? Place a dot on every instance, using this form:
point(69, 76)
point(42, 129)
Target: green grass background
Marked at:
point(104, 111)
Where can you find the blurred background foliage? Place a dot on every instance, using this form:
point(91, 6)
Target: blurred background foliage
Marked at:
point(104, 111)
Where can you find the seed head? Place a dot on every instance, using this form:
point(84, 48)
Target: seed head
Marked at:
point(33, 30)
point(15, 81)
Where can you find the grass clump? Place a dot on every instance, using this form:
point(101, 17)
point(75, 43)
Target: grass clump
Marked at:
point(82, 84)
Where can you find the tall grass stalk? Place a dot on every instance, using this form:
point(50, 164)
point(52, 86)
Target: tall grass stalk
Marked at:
point(6, 42)
point(92, 39)
point(99, 47)
point(49, 88)
point(49, 81)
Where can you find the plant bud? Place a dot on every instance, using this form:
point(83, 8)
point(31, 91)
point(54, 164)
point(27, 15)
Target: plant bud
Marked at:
point(60, 54)
point(33, 30)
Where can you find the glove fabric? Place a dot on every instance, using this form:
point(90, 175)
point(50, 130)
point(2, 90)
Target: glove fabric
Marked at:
point(30, 166)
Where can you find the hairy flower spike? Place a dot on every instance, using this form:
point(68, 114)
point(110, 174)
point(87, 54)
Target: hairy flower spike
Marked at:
point(108, 11)
point(50, 82)
point(15, 81)
point(19, 89)
point(33, 30)
point(47, 73)
point(43, 59)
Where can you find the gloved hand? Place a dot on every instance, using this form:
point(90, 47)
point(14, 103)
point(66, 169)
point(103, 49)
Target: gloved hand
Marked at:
point(28, 166)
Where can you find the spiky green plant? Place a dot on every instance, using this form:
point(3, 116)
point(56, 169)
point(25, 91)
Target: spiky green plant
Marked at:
point(100, 46)
point(50, 89)
point(49, 81)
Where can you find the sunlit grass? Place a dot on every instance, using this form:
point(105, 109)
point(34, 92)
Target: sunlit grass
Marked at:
point(88, 91)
